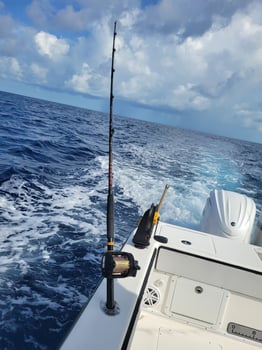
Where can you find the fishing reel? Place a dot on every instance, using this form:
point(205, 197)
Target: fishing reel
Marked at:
point(119, 265)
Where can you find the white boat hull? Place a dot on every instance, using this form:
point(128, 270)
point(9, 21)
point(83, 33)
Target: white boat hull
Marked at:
point(204, 285)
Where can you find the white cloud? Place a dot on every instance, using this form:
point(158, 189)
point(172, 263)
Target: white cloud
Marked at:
point(129, 18)
point(158, 68)
point(70, 19)
point(80, 82)
point(39, 72)
point(78, 16)
point(9, 66)
point(41, 13)
point(49, 45)
point(207, 73)
point(88, 81)
point(250, 118)
point(183, 55)
point(184, 97)
point(15, 68)
point(6, 26)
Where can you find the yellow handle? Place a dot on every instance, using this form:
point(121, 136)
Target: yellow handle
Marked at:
point(158, 207)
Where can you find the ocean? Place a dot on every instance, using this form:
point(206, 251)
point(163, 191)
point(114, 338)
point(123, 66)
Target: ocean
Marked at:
point(53, 194)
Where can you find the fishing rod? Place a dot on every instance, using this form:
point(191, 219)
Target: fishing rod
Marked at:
point(110, 197)
point(114, 264)
point(120, 264)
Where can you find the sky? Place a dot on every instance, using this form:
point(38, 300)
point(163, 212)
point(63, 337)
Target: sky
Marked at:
point(193, 64)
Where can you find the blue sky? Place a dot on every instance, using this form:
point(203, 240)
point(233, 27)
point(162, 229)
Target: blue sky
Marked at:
point(192, 64)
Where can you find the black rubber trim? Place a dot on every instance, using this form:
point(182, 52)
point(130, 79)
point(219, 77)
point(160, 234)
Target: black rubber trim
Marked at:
point(138, 302)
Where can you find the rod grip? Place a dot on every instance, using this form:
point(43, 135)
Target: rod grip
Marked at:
point(110, 217)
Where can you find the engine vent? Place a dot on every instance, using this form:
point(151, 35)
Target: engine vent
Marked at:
point(151, 296)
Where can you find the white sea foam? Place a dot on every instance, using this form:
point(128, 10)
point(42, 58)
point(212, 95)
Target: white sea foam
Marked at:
point(27, 226)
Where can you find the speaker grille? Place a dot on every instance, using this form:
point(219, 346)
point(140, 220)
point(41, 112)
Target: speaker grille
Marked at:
point(151, 296)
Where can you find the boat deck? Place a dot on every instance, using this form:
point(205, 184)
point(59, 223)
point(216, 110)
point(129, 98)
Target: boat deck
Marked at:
point(160, 333)
point(196, 301)
point(198, 291)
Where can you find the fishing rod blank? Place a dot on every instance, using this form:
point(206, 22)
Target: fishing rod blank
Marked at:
point(114, 264)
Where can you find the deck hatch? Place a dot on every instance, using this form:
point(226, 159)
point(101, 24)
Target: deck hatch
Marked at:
point(196, 300)
point(209, 271)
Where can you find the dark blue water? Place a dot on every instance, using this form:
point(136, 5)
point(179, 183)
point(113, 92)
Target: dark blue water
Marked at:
point(53, 192)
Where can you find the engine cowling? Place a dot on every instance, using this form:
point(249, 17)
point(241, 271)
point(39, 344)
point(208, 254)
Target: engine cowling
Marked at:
point(229, 214)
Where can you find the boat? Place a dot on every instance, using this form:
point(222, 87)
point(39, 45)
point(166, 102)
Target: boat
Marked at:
point(193, 289)
point(172, 287)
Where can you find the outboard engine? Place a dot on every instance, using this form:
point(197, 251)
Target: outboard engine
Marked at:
point(258, 232)
point(229, 214)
